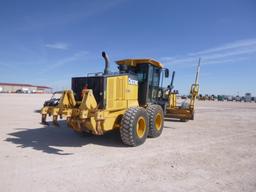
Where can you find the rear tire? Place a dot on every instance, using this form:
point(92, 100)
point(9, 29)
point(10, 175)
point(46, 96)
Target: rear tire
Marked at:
point(134, 126)
point(156, 120)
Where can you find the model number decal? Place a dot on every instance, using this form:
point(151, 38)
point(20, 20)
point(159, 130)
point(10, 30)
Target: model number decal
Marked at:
point(132, 81)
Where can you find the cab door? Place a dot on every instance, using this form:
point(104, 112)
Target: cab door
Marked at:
point(153, 83)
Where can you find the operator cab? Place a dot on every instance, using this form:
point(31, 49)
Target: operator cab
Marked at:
point(149, 73)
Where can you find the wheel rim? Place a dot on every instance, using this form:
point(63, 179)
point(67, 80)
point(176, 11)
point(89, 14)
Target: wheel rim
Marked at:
point(141, 127)
point(158, 121)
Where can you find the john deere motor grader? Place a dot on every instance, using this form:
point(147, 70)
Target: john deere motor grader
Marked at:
point(127, 100)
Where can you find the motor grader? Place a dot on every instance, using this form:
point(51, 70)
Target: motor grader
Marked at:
point(129, 100)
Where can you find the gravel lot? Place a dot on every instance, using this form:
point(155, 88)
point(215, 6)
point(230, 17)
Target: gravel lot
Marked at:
point(215, 152)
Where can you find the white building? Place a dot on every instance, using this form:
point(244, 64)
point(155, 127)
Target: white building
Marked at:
point(23, 88)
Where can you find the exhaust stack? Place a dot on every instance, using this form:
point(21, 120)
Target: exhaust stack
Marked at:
point(105, 56)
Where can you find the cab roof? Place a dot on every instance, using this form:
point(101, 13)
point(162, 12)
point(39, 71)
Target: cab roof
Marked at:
point(134, 62)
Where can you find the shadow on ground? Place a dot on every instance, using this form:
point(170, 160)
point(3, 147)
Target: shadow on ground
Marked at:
point(46, 139)
point(173, 120)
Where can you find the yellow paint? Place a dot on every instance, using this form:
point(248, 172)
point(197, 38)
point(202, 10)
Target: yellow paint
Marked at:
point(134, 62)
point(67, 99)
point(64, 108)
point(172, 100)
point(120, 94)
point(85, 116)
point(141, 127)
point(194, 93)
point(158, 121)
point(88, 101)
point(174, 111)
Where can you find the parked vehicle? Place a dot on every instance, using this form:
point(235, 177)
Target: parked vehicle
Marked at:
point(54, 101)
point(238, 98)
point(184, 97)
point(19, 91)
point(248, 97)
point(214, 96)
point(229, 98)
point(206, 97)
point(201, 97)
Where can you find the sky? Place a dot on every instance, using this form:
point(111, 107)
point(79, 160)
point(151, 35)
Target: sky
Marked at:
point(49, 42)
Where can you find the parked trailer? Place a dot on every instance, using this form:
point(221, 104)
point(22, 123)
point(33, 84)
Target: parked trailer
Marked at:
point(220, 98)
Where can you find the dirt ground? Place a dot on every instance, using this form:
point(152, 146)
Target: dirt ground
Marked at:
point(215, 152)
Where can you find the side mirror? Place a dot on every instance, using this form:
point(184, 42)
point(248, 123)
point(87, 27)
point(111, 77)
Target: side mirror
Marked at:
point(166, 73)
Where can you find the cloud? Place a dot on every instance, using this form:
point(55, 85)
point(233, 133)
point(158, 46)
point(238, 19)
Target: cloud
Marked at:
point(62, 46)
point(226, 53)
point(230, 46)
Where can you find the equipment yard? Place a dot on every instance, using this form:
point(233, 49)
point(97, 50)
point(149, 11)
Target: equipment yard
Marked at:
point(215, 152)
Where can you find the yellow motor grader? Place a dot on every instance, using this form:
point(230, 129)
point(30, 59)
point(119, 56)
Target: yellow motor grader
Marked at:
point(131, 100)
point(127, 100)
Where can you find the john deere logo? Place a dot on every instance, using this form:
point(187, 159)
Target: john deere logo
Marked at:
point(132, 81)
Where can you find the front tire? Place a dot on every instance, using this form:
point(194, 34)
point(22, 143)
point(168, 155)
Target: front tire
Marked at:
point(134, 126)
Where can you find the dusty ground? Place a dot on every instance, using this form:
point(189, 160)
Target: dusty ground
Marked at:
point(215, 152)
